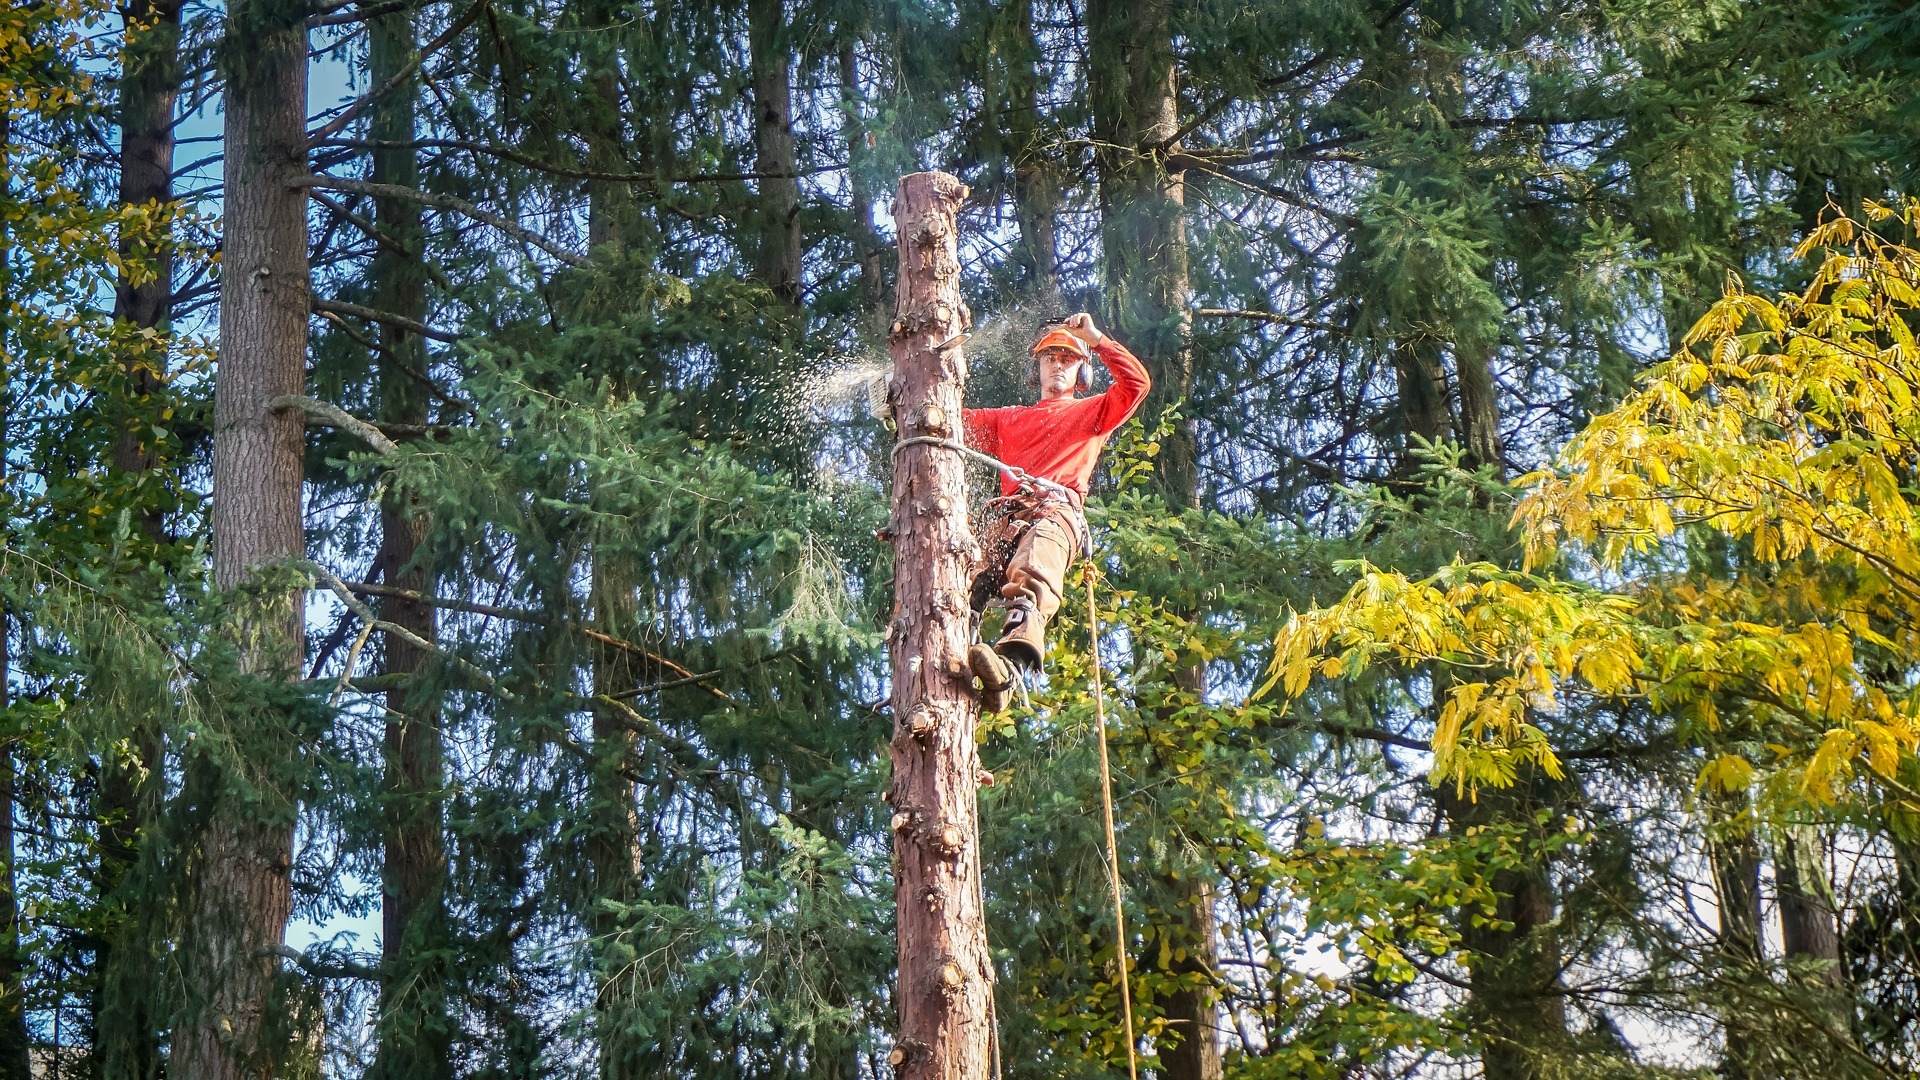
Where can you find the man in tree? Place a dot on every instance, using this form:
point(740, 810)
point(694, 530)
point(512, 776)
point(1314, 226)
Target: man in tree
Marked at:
point(1035, 528)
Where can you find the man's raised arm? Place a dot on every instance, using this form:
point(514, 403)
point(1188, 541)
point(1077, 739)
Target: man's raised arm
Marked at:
point(1130, 379)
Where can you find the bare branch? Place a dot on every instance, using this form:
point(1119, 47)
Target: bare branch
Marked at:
point(1268, 317)
point(329, 415)
point(686, 677)
point(337, 16)
point(344, 969)
point(575, 172)
point(399, 79)
point(359, 311)
point(443, 202)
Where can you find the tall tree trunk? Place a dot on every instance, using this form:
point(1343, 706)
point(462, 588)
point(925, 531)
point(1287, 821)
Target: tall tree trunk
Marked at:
point(128, 1045)
point(1420, 380)
point(1516, 958)
point(1025, 169)
point(1131, 80)
point(1734, 857)
point(869, 245)
point(945, 987)
point(15, 1043)
point(415, 1029)
point(241, 895)
point(1809, 929)
point(1132, 83)
point(613, 835)
point(778, 247)
point(1479, 407)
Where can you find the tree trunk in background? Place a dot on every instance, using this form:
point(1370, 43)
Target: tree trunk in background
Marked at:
point(16, 1044)
point(613, 834)
point(870, 247)
point(128, 1044)
point(241, 898)
point(1132, 85)
point(945, 985)
point(1516, 968)
point(1735, 859)
point(1479, 407)
point(1809, 928)
point(414, 1029)
point(1421, 383)
point(778, 247)
point(1028, 168)
point(1143, 222)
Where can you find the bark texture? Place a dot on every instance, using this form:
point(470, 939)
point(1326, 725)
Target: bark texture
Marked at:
point(946, 977)
point(125, 1029)
point(779, 248)
point(414, 1029)
point(1809, 929)
point(1420, 380)
point(1479, 407)
point(1515, 980)
point(241, 896)
point(1735, 858)
point(16, 1044)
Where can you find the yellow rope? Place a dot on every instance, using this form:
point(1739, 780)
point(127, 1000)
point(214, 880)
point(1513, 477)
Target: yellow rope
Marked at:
point(1106, 806)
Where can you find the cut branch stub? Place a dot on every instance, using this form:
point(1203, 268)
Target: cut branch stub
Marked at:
point(943, 1013)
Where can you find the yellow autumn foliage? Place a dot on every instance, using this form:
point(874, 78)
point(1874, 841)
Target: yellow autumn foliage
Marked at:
point(1786, 426)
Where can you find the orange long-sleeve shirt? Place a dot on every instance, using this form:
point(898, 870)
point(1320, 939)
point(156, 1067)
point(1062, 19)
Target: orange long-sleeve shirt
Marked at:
point(1062, 439)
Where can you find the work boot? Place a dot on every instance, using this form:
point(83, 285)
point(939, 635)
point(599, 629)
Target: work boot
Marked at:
point(1023, 637)
point(995, 675)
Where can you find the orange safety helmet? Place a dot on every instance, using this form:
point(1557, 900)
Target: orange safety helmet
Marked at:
point(1061, 339)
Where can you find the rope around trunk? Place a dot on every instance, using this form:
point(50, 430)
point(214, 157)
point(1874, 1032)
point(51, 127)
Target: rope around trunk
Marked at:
point(1019, 474)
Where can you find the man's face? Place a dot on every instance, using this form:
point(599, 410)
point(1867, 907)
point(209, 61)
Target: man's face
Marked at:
point(1058, 370)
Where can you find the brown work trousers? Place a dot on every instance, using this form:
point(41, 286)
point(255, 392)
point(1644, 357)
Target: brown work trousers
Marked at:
point(1037, 572)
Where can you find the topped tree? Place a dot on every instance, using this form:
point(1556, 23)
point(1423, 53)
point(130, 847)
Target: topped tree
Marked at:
point(946, 977)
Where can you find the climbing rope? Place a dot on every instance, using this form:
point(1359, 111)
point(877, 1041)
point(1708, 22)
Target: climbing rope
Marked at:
point(1020, 476)
point(1106, 808)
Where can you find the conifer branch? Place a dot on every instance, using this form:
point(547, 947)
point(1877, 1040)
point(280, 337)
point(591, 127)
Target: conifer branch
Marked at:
point(442, 202)
point(333, 416)
point(686, 676)
point(682, 752)
point(575, 172)
point(379, 236)
point(358, 105)
point(343, 969)
point(336, 15)
point(1268, 317)
point(1275, 192)
point(360, 608)
point(360, 311)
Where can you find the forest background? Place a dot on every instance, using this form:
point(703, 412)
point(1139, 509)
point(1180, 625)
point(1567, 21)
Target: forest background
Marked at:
point(444, 630)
